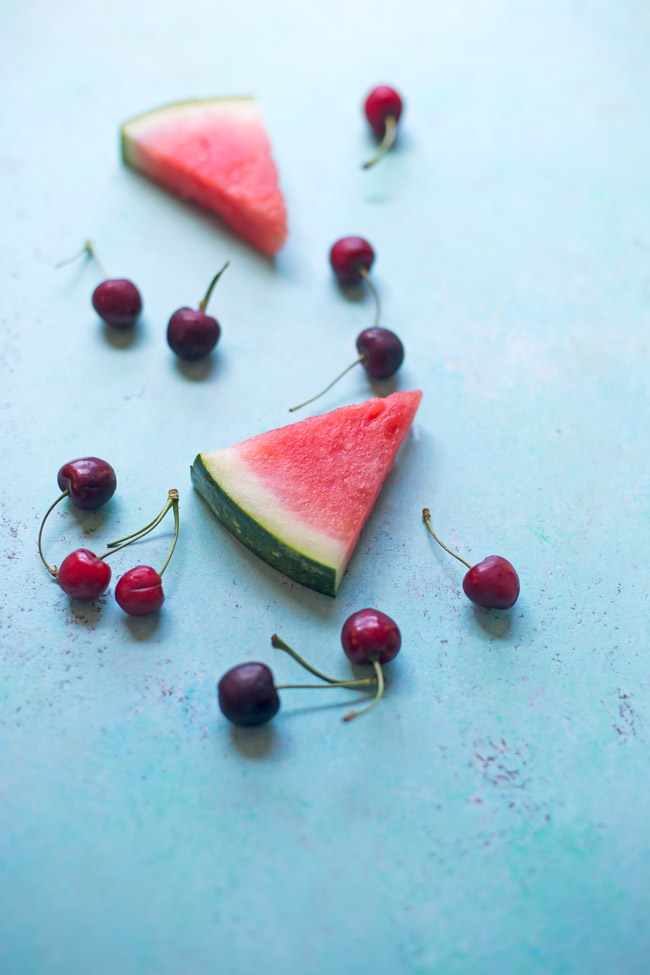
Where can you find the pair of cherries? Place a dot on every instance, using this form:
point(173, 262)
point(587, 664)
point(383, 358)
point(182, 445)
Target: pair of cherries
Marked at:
point(248, 695)
point(191, 334)
point(90, 483)
point(381, 352)
point(492, 583)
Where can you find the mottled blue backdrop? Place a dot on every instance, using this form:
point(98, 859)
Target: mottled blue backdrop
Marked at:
point(493, 814)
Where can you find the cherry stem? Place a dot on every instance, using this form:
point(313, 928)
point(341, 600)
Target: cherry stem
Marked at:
point(115, 546)
point(333, 383)
point(173, 497)
point(86, 249)
point(204, 304)
point(279, 644)
point(426, 514)
point(390, 130)
point(378, 696)
point(375, 294)
point(352, 684)
point(53, 571)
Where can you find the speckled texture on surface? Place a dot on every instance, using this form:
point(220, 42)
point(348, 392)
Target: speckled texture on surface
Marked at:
point(493, 814)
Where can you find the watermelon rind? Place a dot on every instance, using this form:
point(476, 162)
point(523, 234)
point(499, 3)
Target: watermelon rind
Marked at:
point(167, 112)
point(308, 557)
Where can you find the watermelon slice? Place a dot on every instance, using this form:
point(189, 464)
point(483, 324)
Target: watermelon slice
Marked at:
point(299, 496)
point(215, 153)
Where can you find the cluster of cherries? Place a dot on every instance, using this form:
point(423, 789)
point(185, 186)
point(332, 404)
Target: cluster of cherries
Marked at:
point(248, 695)
point(89, 483)
point(191, 334)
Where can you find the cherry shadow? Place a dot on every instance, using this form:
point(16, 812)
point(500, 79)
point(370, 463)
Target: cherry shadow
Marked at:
point(142, 628)
point(199, 370)
point(122, 338)
point(499, 624)
point(86, 612)
point(253, 742)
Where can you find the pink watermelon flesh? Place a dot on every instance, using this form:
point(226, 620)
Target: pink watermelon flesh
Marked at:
point(216, 154)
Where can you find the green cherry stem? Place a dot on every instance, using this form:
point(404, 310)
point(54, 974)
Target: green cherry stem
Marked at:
point(53, 571)
point(375, 294)
point(426, 515)
point(389, 138)
point(353, 684)
point(204, 304)
point(87, 248)
point(378, 696)
point(172, 501)
point(279, 644)
point(333, 383)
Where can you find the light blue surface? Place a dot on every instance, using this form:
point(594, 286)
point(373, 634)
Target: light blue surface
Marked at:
point(493, 814)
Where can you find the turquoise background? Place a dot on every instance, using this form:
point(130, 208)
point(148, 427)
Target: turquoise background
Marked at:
point(493, 814)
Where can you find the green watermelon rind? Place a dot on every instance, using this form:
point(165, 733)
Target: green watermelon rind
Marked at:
point(269, 547)
point(164, 111)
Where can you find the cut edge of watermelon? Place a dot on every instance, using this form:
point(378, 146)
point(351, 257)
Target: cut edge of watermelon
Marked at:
point(252, 514)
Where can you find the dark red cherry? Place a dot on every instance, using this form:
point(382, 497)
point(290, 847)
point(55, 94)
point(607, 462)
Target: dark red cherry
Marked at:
point(191, 334)
point(368, 633)
point(247, 695)
point(89, 481)
point(83, 576)
point(348, 257)
point(382, 352)
point(380, 103)
point(118, 302)
point(139, 591)
point(492, 583)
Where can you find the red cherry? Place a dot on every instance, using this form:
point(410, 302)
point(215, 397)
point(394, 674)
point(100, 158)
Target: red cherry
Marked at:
point(349, 257)
point(369, 634)
point(83, 576)
point(89, 481)
point(380, 103)
point(139, 591)
point(193, 334)
point(382, 352)
point(247, 695)
point(492, 583)
point(118, 302)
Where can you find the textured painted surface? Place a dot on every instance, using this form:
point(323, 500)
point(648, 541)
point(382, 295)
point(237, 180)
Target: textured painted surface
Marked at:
point(493, 815)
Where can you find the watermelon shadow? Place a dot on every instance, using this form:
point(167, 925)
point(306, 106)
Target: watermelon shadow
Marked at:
point(253, 742)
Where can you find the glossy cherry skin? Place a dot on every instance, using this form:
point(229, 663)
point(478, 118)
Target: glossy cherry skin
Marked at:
point(380, 103)
point(118, 302)
point(383, 351)
point(139, 591)
point(492, 583)
point(83, 576)
point(247, 695)
point(192, 334)
point(349, 254)
point(89, 481)
point(368, 633)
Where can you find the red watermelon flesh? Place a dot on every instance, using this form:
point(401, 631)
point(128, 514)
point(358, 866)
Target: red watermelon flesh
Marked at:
point(214, 153)
point(300, 495)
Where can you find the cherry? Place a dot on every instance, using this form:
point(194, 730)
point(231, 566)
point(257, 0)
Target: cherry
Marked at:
point(82, 575)
point(116, 300)
point(192, 334)
point(247, 695)
point(139, 591)
point(381, 352)
point(383, 108)
point(89, 482)
point(351, 259)
point(369, 634)
point(492, 583)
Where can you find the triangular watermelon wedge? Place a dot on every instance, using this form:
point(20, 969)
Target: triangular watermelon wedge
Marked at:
point(299, 496)
point(215, 153)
